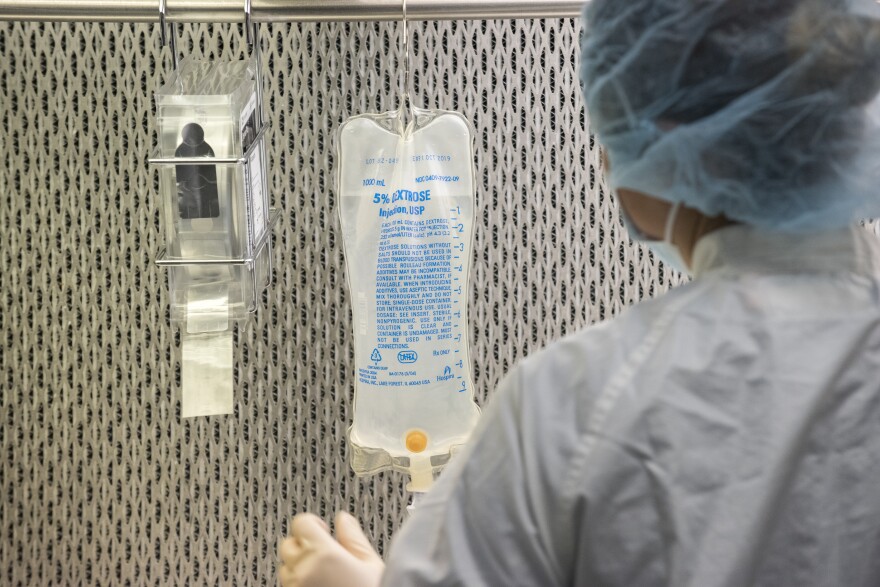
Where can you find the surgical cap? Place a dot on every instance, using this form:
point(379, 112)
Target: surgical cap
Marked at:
point(765, 111)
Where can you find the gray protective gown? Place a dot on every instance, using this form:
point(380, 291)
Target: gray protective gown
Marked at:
point(726, 434)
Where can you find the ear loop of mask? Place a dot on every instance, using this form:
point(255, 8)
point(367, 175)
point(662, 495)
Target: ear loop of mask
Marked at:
point(664, 249)
point(671, 217)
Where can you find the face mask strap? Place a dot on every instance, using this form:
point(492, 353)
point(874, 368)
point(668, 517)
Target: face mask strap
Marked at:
point(671, 218)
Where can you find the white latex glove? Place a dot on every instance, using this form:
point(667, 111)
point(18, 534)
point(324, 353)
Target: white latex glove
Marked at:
point(311, 557)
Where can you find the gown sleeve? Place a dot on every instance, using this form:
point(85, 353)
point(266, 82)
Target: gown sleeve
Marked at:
point(488, 519)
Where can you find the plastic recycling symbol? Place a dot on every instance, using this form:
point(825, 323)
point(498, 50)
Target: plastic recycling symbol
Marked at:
point(376, 357)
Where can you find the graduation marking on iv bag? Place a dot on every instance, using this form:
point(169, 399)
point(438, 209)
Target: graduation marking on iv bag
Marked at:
point(406, 209)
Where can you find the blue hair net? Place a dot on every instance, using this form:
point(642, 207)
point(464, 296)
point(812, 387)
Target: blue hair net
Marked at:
point(765, 111)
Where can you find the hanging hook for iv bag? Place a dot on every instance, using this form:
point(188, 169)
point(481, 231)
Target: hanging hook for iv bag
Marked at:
point(253, 40)
point(250, 27)
point(405, 97)
point(170, 40)
point(252, 35)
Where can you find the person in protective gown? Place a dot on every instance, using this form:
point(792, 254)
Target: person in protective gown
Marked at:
point(727, 433)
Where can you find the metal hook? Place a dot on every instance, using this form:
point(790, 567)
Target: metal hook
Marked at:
point(165, 38)
point(250, 27)
point(253, 41)
point(405, 96)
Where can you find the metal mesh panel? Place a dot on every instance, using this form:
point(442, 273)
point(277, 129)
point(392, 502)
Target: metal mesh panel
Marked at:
point(102, 482)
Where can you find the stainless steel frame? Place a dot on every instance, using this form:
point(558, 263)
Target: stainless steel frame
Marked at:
point(162, 260)
point(284, 10)
point(256, 248)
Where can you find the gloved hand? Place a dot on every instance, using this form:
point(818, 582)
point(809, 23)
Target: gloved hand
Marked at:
point(310, 557)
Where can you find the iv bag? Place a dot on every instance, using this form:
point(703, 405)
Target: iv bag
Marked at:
point(406, 208)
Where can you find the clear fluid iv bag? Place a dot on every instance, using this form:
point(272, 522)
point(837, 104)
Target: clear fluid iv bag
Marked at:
point(406, 207)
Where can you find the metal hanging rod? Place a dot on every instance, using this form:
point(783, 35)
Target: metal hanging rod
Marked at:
point(283, 10)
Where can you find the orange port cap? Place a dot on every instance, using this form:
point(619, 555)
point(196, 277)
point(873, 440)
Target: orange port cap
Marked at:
point(416, 441)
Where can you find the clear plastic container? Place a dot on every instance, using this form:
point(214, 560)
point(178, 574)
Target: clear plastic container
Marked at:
point(216, 212)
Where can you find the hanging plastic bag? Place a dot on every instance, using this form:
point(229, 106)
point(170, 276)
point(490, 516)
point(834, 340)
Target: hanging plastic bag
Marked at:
point(406, 207)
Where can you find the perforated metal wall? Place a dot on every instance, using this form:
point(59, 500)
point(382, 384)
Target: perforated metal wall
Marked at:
point(101, 481)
